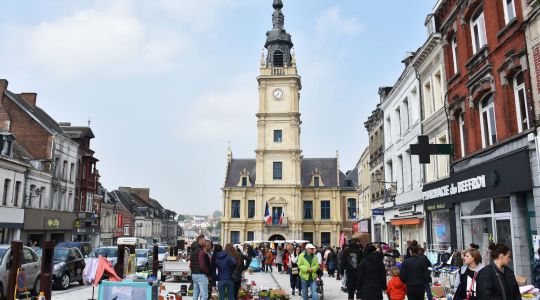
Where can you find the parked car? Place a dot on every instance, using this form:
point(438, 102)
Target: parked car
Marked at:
point(85, 247)
point(68, 267)
point(163, 253)
point(144, 259)
point(30, 265)
point(109, 252)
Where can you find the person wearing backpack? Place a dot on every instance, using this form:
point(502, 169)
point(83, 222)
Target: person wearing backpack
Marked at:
point(352, 257)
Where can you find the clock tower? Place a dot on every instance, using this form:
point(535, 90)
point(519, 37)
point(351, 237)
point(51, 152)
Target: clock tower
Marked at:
point(278, 119)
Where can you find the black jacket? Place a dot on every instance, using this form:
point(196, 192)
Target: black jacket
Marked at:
point(372, 277)
point(414, 271)
point(352, 257)
point(492, 281)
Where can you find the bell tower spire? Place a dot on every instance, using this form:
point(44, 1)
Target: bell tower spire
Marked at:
point(278, 41)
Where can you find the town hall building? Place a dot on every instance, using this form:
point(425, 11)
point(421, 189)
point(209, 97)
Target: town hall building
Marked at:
point(307, 198)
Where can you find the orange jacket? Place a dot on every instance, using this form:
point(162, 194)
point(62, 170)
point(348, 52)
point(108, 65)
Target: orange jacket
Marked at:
point(396, 289)
point(269, 257)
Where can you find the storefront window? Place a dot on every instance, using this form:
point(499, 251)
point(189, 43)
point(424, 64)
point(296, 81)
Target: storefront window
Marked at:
point(478, 207)
point(440, 228)
point(377, 233)
point(477, 231)
point(501, 204)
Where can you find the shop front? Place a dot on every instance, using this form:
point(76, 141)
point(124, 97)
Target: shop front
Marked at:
point(43, 225)
point(482, 204)
point(11, 223)
point(405, 224)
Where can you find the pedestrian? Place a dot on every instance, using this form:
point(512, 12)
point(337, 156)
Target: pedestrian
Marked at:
point(308, 266)
point(319, 256)
point(269, 260)
point(286, 253)
point(352, 257)
point(294, 277)
point(243, 264)
point(208, 248)
point(200, 269)
point(331, 262)
point(395, 289)
point(427, 285)
point(372, 275)
point(389, 259)
point(225, 266)
point(497, 280)
point(414, 273)
point(467, 277)
point(262, 258)
point(536, 270)
point(279, 259)
point(339, 263)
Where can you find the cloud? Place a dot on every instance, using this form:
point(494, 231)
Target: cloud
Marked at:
point(332, 21)
point(222, 112)
point(106, 40)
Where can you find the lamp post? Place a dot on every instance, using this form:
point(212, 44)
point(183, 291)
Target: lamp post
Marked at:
point(393, 184)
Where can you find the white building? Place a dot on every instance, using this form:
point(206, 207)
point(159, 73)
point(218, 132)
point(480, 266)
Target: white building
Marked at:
point(403, 209)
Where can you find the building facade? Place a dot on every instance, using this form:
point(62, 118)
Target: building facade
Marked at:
point(492, 117)
point(364, 198)
point(306, 197)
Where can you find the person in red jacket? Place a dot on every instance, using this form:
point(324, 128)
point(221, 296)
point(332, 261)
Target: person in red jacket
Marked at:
point(396, 289)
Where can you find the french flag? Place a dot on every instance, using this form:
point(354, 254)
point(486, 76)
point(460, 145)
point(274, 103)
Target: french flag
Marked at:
point(267, 215)
point(282, 217)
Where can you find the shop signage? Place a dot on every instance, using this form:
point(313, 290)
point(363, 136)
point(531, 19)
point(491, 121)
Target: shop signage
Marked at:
point(355, 227)
point(409, 209)
point(364, 226)
point(435, 206)
point(463, 186)
point(377, 212)
point(52, 223)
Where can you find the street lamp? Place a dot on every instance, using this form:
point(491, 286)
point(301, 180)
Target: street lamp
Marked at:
point(388, 194)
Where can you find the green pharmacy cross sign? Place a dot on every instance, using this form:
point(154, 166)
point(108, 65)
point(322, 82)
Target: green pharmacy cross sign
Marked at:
point(424, 149)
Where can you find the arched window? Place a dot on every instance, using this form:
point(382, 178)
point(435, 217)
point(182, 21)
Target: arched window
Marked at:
point(277, 59)
point(522, 113)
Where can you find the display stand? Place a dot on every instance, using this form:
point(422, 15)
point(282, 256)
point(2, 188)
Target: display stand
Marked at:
point(128, 290)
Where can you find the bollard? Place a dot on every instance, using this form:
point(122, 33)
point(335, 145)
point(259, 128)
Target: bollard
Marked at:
point(47, 268)
point(155, 260)
point(15, 264)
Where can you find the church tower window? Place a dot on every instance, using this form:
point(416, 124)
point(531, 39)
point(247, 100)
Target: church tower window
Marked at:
point(278, 170)
point(277, 59)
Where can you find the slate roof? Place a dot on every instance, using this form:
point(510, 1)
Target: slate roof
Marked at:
point(326, 166)
point(42, 117)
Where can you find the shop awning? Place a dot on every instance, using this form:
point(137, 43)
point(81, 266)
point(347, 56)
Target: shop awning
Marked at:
point(409, 221)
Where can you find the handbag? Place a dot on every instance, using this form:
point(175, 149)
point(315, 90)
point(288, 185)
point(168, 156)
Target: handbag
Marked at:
point(236, 276)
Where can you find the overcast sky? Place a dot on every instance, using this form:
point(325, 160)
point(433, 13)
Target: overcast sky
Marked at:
point(167, 83)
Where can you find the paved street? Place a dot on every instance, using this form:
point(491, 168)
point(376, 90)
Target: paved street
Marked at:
point(273, 280)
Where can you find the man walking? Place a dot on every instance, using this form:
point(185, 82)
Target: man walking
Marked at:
point(308, 265)
point(200, 269)
point(352, 256)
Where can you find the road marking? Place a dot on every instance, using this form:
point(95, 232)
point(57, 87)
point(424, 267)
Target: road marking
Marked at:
point(275, 280)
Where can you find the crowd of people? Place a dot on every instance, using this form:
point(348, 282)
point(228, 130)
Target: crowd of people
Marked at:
point(369, 270)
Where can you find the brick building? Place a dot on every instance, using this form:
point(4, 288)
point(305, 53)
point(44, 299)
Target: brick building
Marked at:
point(491, 119)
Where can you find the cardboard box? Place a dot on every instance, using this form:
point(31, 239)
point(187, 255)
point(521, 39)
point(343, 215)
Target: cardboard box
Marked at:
point(438, 291)
point(521, 280)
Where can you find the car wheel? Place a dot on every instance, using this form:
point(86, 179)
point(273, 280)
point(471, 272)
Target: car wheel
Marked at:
point(64, 281)
point(37, 286)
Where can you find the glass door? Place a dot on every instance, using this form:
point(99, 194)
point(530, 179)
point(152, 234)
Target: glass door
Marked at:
point(504, 233)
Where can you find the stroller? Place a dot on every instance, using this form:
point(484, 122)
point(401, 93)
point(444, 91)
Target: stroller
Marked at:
point(255, 265)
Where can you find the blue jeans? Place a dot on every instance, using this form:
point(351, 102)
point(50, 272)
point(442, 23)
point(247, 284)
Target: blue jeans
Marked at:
point(200, 286)
point(229, 284)
point(313, 286)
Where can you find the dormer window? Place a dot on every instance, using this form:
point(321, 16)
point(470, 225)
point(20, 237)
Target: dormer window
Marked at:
point(6, 144)
point(244, 179)
point(316, 180)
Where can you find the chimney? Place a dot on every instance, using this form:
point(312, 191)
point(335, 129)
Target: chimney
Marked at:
point(30, 98)
point(143, 193)
point(3, 87)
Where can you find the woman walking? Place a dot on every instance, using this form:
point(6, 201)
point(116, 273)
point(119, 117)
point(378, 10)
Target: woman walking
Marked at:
point(294, 271)
point(467, 277)
point(269, 260)
point(225, 264)
point(332, 262)
point(279, 259)
point(372, 275)
point(242, 264)
point(414, 273)
point(261, 256)
point(497, 280)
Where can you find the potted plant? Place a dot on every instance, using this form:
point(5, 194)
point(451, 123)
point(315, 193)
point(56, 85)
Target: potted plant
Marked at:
point(264, 295)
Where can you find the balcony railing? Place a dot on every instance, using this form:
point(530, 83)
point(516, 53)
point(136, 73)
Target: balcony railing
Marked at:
point(283, 224)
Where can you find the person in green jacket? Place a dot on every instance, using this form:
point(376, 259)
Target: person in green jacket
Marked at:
point(308, 265)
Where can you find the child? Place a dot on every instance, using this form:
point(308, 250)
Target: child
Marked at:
point(396, 289)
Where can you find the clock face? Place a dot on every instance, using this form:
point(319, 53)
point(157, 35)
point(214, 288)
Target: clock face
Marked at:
point(278, 94)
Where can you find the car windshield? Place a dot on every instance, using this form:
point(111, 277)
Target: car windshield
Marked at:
point(2, 253)
point(141, 253)
point(61, 254)
point(106, 252)
point(162, 250)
